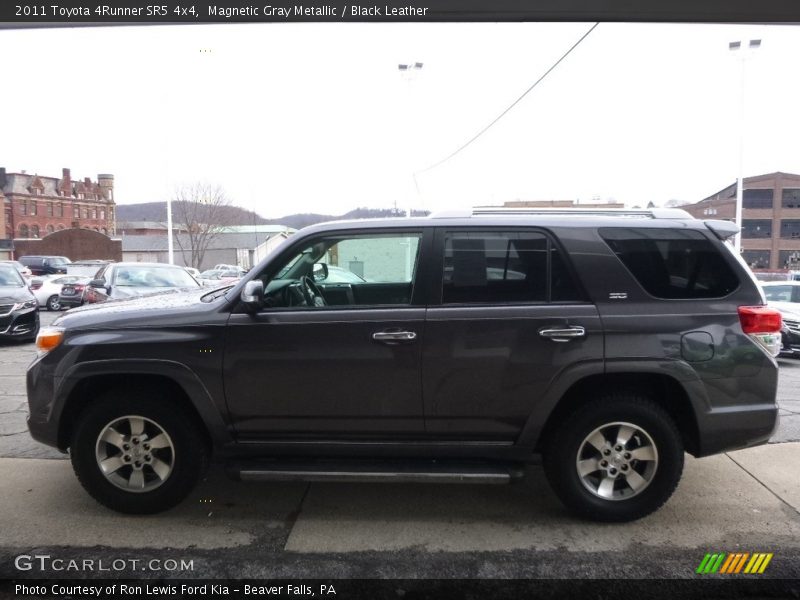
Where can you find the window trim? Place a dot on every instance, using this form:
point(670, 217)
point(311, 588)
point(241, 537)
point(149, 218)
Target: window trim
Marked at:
point(418, 290)
point(437, 265)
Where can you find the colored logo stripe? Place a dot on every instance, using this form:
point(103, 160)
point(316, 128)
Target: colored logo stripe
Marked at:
point(724, 563)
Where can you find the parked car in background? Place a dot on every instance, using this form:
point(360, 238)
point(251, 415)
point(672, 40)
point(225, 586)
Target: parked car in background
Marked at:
point(23, 270)
point(217, 277)
point(85, 268)
point(237, 268)
point(46, 265)
point(785, 296)
point(19, 310)
point(125, 280)
point(48, 289)
point(73, 292)
point(193, 272)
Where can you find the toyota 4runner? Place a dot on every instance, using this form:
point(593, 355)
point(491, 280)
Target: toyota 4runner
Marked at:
point(464, 346)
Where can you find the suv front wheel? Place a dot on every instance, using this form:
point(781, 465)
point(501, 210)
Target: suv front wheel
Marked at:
point(137, 455)
point(617, 458)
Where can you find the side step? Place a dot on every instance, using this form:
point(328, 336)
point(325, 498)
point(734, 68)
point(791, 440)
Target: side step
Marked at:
point(375, 471)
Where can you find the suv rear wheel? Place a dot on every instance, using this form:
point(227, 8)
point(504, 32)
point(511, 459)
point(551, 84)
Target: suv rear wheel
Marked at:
point(617, 458)
point(137, 455)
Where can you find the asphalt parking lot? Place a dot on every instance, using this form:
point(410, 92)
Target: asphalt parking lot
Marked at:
point(744, 501)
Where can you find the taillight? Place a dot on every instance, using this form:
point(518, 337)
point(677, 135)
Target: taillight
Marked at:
point(78, 288)
point(763, 325)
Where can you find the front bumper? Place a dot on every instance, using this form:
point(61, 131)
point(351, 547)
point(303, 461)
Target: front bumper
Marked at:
point(21, 324)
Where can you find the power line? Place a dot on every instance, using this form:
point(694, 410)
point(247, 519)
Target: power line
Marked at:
point(512, 105)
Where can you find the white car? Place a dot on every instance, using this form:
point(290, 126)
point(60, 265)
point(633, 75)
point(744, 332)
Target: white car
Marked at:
point(47, 289)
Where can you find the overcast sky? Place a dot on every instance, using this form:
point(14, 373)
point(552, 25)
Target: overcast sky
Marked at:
point(317, 118)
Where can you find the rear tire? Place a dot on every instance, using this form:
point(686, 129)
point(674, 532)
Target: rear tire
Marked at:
point(53, 303)
point(617, 458)
point(137, 455)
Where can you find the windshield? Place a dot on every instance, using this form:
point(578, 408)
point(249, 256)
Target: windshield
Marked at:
point(153, 276)
point(10, 277)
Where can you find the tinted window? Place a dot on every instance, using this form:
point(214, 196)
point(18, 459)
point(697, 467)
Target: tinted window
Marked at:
point(756, 259)
point(790, 228)
point(672, 263)
point(790, 198)
point(504, 267)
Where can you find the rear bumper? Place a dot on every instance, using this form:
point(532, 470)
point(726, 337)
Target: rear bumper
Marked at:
point(737, 427)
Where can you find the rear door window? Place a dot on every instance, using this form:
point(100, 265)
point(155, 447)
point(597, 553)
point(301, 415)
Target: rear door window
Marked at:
point(500, 267)
point(672, 263)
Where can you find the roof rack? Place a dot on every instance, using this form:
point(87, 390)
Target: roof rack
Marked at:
point(651, 213)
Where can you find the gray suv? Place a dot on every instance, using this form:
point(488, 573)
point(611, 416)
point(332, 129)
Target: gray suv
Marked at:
point(464, 347)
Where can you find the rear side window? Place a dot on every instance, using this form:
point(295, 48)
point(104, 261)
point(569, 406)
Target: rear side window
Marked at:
point(500, 267)
point(672, 263)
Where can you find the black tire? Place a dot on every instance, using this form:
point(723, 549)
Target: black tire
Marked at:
point(564, 444)
point(53, 303)
point(188, 452)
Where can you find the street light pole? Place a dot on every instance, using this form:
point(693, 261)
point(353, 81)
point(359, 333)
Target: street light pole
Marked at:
point(742, 55)
point(170, 251)
point(409, 72)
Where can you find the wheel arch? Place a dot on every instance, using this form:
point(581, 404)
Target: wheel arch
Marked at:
point(666, 390)
point(87, 381)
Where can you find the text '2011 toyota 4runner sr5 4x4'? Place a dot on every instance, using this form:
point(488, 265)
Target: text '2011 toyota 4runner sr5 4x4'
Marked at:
point(451, 348)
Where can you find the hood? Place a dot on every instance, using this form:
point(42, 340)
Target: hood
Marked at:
point(12, 294)
point(134, 291)
point(165, 308)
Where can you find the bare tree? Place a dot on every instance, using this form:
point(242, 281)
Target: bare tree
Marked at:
point(202, 210)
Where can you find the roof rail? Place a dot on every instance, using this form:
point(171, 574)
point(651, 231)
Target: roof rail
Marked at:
point(650, 213)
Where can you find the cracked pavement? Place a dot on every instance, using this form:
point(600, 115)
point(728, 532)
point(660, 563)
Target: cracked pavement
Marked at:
point(747, 500)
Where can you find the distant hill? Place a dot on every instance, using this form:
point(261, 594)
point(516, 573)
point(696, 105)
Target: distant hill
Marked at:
point(157, 211)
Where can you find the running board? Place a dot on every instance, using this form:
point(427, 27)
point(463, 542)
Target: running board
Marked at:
point(375, 471)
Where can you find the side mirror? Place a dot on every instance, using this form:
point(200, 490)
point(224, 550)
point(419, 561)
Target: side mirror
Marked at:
point(97, 283)
point(320, 272)
point(252, 295)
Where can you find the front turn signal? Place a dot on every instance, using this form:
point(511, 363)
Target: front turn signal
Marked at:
point(49, 338)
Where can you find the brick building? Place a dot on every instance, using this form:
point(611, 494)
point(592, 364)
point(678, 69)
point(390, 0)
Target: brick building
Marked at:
point(35, 205)
point(770, 218)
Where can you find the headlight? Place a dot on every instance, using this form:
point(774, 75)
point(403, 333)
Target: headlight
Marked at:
point(28, 304)
point(49, 338)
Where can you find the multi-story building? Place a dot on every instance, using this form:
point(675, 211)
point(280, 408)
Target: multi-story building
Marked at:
point(36, 206)
point(770, 218)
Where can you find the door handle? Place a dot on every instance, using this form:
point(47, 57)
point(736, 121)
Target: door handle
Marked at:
point(394, 337)
point(563, 334)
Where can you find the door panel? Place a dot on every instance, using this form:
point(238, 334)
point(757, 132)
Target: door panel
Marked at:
point(319, 373)
point(484, 368)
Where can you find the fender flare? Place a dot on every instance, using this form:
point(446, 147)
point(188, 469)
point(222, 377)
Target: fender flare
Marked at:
point(210, 413)
point(681, 372)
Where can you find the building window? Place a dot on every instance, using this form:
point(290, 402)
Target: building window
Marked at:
point(60, 209)
point(33, 208)
point(756, 228)
point(789, 259)
point(110, 195)
point(85, 213)
point(49, 209)
point(50, 229)
point(710, 211)
point(80, 195)
point(790, 228)
point(76, 212)
point(23, 231)
point(94, 213)
point(23, 207)
point(102, 214)
point(790, 198)
point(756, 259)
point(35, 231)
point(757, 198)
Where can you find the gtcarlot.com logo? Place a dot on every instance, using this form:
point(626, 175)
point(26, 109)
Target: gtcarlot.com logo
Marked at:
point(731, 563)
point(45, 562)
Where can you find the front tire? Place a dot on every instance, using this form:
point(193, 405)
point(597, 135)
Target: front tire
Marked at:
point(618, 458)
point(137, 455)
